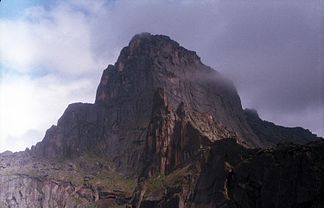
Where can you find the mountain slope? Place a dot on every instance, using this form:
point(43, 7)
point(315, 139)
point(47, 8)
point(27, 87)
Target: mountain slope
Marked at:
point(118, 121)
point(165, 131)
point(274, 134)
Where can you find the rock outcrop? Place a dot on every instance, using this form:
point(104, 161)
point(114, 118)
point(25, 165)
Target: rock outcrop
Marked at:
point(289, 175)
point(165, 131)
point(232, 176)
point(87, 181)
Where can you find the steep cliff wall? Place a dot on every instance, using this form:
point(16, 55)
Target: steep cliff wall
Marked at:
point(87, 181)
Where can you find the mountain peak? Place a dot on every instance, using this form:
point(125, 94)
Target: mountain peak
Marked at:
point(156, 48)
point(156, 91)
point(150, 40)
point(165, 131)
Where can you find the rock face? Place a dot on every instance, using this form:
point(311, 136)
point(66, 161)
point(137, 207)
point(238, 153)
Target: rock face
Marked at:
point(118, 120)
point(231, 176)
point(176, 136)
point(87, 181)
point(288, 176)
point(165, 131)
point(24, 191)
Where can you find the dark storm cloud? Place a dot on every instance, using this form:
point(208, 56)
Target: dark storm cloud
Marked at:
point(272, 50)
point(274, 53)
point(276, 48)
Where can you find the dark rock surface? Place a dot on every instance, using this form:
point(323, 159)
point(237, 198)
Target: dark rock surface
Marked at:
point(231, 176)
point(165, 131)
point(289, 175)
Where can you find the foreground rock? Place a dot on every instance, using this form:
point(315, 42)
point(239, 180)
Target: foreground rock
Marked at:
point(229, 175)
point(87, 181)
point(287, 176)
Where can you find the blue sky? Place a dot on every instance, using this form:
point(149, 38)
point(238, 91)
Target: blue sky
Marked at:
point(53, 53)
point(14, 8)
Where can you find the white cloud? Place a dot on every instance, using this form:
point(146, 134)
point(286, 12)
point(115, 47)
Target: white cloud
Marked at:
point(30, 106)
point(47, 62)
point(58, 40)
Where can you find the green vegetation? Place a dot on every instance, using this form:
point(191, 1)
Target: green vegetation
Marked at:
point(155, 183)
point(90, 206)
point(114, 181)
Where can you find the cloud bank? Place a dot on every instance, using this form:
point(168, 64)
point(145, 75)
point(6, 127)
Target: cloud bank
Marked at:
point(272, 50)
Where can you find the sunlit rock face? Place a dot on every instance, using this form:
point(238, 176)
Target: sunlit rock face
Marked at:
point(165, 131)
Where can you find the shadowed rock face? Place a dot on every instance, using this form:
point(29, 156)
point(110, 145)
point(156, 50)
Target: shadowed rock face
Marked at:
point(288, 176)
point(177, 127)
point(231, 176)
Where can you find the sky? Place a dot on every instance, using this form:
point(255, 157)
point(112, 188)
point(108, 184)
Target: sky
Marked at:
point(52, 53)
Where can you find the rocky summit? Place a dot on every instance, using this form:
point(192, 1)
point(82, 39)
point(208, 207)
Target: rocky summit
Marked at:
point(165, 131)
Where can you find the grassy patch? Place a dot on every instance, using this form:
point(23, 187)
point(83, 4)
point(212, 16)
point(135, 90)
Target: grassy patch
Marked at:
point(114, 181)
point(176, 176)
point(157, 185)
point(157, 182)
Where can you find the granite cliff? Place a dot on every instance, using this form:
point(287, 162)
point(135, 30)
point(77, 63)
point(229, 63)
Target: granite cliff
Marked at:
point(165, 131)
